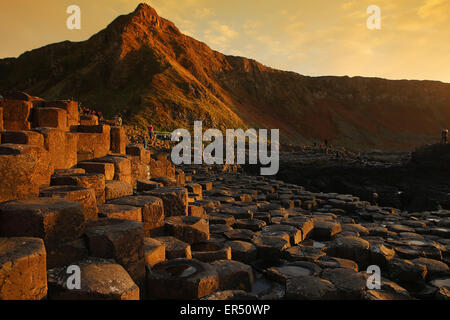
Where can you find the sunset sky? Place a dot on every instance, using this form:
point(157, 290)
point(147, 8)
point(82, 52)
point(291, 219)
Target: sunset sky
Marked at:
point(320, 37)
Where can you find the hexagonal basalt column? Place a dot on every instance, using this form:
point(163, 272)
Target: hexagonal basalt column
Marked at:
point(183, 279)
point(53, 220)
point(152, 212)
point(121, 240)
point(83, 196)
point(23, 274)
point(175, 200)
point(188, 229)
point(100, 280)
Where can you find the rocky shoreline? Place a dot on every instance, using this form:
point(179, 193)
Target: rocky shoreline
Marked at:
point(86, 215)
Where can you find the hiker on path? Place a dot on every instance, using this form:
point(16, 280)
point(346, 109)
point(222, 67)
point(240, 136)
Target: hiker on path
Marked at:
point(444, 138)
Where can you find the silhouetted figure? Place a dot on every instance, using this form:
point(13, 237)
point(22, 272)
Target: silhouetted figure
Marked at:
point(444, 138)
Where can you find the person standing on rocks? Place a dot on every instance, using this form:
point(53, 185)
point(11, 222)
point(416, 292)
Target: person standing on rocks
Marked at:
point(150, 132)
point(444, 138)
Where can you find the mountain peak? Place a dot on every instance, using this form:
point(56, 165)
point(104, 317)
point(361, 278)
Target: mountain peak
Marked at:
point(144, 10)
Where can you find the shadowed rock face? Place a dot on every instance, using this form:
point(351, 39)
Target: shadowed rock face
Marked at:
point(142, 61)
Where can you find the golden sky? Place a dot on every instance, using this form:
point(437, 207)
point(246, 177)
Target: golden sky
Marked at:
point(311, 37)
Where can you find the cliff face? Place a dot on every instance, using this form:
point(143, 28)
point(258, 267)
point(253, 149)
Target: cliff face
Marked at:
point(141, 63)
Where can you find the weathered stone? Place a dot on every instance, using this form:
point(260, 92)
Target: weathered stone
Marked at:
point(23, 137)
point(107, 169)
point(242, 251)
point(23, 274)
point(351, 248)
point(147, 185)
point(121, 240)
point(187, 229)
point(240, 234)
point(251, 224)
point(197, 211)
point(407, 273)
point(182, 279)
point(71, 107)
point(435, 268)
point(303, 253)
point(310, 288)
point(208, 251)
point(295, 235)
point(122, 167)
point(220, 218)
point(119, 140)
point(155, 251)
point(174, 199)
point(152, 212)
point(50, 118)
point(101, 279)
point(23, 170)
point(234, 275)
point(175, 248)
point(16, 114)
point(120, 211)
point(349, 283)
point(304, 224)
point(232, 295)
point(165, 181)
point(115, 189)
point(270, 247)
point(332, 262)
point(93, 181)
point(66, 253)
point(325, 230)
point(62, 146)
point(53, 220)
point(83, 196)
point(292, 270)
point(93, 141)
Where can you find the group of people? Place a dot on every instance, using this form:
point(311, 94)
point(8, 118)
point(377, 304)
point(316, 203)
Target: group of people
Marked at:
point(118, 120)
point(87, 111)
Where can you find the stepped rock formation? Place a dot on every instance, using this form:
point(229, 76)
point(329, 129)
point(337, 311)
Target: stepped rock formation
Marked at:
point(143, 64)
